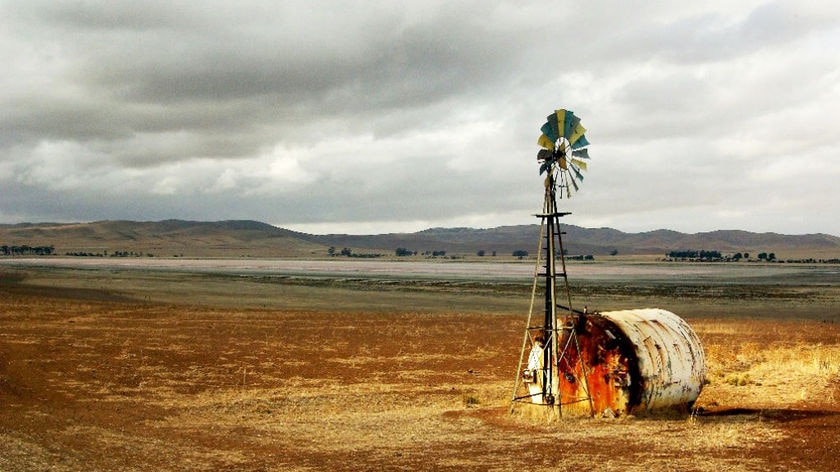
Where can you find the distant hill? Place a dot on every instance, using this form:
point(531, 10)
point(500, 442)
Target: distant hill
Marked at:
point(163, 238)
point(240, 238)
point(595, 241)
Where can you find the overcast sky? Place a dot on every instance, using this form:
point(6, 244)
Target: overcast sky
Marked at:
point(375, 117)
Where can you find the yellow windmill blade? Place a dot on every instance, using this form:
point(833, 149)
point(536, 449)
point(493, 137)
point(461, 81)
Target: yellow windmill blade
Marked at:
point(577, 133)
point(545, 142)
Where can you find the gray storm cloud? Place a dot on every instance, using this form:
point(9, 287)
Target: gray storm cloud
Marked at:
point(350, 117)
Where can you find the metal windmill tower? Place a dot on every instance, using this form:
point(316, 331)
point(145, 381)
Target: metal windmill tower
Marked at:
point(562, 158)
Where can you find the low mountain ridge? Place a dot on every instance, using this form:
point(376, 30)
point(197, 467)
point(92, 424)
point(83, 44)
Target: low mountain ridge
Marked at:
point(242, 238)
point(231, 238)
point(601, 241)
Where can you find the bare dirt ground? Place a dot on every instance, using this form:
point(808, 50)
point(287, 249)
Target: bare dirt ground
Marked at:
point(92, 380)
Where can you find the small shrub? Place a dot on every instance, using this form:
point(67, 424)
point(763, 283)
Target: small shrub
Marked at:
point(738, 380)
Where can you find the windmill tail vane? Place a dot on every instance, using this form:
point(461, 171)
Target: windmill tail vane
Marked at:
point(564, 150)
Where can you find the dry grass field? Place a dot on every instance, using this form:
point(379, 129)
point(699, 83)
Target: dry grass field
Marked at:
point(121, 370)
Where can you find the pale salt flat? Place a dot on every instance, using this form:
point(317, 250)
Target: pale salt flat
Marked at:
point(446, 269)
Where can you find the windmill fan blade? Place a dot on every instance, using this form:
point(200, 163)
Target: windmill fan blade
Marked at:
point(560, 117)
point(572, 122)
point(544, 155)
point(579, 163)
point(545, 142)
point(576, 134)
point(581, 142)
point(581, 153)
point(574, 184)
point(549, 131)
point(577, 173)
point(545, 165)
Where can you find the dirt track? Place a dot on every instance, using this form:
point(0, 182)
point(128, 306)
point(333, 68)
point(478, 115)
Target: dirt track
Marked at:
point(91, 382)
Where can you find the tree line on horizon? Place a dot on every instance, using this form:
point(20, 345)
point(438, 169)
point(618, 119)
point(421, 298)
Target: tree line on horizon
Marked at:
point(26, 250)
point(332, 251)
point(716, 256)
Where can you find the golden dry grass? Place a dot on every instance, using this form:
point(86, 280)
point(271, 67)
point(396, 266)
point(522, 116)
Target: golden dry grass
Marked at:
point(776, 363)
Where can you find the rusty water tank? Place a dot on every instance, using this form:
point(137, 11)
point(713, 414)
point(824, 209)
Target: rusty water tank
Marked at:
point(629, 362)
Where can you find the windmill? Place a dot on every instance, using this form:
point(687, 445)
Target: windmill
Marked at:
point(594, 363)
point(562, 159)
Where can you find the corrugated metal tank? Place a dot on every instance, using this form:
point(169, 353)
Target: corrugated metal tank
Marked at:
point(630, 362)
